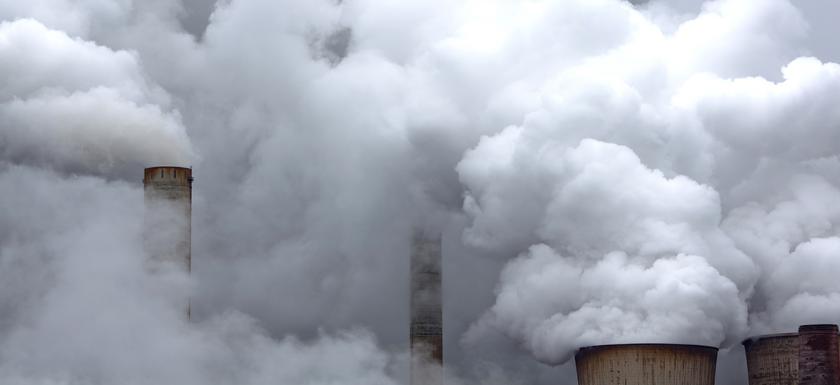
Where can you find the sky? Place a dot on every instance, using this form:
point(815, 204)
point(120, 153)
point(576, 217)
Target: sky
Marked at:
point(601, 171)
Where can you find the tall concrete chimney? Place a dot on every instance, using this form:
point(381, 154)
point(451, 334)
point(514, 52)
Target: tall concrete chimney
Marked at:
point(819, 357)
point(426, 335)
point(167, 218)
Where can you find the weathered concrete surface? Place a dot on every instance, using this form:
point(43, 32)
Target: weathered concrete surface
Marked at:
point(646, 364)
point(167, 226)
point(773, 359)
point(168, 211)
point(819, 355)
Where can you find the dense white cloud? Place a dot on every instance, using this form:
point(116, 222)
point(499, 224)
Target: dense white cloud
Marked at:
point(626, 172)
point(791, 235)
point(793, 119)
point(620, 241)
point(556, 304)
point(76, 17)
point(69, 104)
point(93, 315)
point(691, 106)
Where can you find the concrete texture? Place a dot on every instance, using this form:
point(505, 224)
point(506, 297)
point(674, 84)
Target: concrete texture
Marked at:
point(426, 333)
point(646, 364)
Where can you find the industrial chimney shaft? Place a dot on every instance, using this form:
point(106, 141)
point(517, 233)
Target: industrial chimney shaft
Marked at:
point(167, 226)
point(819, 355)
point(426, 330)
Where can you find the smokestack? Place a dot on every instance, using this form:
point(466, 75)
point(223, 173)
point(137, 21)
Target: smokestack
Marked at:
point(167, 219)
point(646, 364)
point(773, 359)
point(810, 357)
point(819, 357)
point(426, 335)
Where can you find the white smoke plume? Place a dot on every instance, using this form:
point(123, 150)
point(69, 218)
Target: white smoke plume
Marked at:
point(603, 171)
point(72, 105)
point(594, 208)
point(624, 253)
point(628, 254)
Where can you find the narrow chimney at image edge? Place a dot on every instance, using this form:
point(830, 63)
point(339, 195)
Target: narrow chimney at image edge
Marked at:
point(426, 335)
point(809, 357)
point(167, 193)
point(819, 358)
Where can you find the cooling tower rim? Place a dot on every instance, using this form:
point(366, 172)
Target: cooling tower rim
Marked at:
point(595, 348)
point(808, 327)
point(760, 337)
point(167, 167)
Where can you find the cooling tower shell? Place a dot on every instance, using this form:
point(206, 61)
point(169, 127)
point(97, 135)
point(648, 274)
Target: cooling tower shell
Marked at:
point(819, 355)
point(646, 364)
point(773, 359)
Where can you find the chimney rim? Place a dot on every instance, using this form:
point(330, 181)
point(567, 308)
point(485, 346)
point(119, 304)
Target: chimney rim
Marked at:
point(760, 337)
point(820, 328)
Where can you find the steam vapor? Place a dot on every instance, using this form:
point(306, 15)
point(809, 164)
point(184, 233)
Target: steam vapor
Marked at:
point(602, 171)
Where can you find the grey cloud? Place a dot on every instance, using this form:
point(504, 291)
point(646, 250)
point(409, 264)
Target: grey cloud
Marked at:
point(72, 105)
point(561, 146)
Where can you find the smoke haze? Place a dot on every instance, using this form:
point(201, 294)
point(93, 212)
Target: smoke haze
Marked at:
point(602, 171)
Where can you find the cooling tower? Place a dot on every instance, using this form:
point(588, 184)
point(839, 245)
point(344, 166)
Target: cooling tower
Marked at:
point(819, 357)
point(426, 331)
point(646, 364)
point(773, 359)
point(809, 357)
point(167, 219)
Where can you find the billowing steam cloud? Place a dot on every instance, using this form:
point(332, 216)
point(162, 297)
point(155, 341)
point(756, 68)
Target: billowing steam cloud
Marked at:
point(72, 105)
point(628, 254)
point(619, 171)
point(624, 253)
